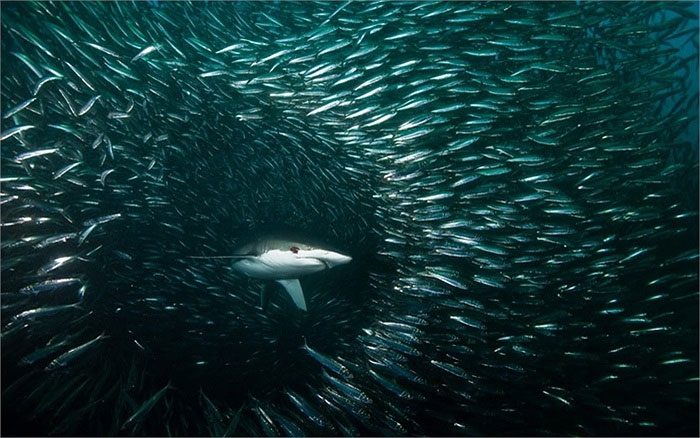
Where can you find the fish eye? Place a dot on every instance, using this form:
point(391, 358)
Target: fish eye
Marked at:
point(294, 249)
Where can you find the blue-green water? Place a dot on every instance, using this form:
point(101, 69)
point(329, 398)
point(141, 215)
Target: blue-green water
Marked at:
point(517, 184)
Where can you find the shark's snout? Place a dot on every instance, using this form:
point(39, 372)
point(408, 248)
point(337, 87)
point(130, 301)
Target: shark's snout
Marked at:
point(335, 259)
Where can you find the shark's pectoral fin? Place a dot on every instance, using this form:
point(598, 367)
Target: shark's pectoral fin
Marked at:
point(293, 288)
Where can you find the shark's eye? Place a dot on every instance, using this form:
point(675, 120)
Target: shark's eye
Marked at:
point(294, 249)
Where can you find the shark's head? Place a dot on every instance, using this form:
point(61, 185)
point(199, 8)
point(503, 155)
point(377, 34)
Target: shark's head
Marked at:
point(327, 257)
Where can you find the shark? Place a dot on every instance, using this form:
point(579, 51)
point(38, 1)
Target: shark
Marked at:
point(283, 261)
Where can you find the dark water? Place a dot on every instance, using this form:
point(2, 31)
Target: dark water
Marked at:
point(517, 184)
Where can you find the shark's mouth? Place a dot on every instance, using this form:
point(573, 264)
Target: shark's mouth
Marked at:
point(325, 263)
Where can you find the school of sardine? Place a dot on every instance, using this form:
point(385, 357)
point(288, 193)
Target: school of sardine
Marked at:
point(515, 181)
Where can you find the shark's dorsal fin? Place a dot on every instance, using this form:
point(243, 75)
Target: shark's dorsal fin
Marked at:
point(293, 288)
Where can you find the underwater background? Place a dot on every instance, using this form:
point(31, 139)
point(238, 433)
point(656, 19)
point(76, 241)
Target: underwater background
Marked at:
point(517, 183)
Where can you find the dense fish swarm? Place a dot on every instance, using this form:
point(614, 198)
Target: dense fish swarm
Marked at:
point(514, 181)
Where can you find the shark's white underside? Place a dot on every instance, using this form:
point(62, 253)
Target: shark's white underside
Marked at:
point(277, 264)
